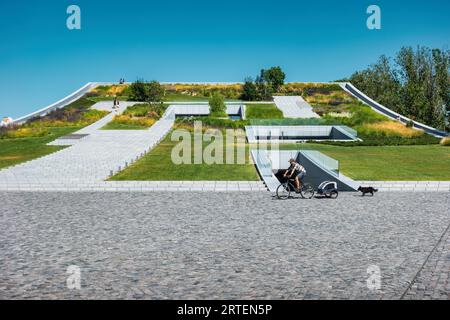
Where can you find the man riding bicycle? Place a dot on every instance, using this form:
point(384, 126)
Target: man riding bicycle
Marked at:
point(296, 170)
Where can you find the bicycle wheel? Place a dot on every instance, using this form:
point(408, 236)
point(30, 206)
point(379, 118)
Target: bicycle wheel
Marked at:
point(307, 191)
point(284, 191)
point(334, 195)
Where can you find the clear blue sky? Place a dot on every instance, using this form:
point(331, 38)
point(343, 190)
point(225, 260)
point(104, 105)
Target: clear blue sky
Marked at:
point(41, 60)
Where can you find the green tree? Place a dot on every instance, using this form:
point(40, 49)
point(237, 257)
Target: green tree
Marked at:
point(274, 77)
point(249, 90)
point(138, 91)
point(155, 91)
point(416, 84)
point(217, 105)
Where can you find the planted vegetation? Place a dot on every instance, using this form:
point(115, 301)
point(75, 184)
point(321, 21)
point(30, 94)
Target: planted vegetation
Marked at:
point(263, 111)
point(138, 116)
point(77, 114)
point(20, 149)
point(445, 142)
point(157, 165)
point(415, 83)
point(122, 92)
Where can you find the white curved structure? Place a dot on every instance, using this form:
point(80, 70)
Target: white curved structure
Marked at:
point(351, 89)
point(61, 103)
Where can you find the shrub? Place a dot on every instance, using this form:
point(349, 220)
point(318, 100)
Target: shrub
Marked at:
point(138, 91)
point(383, 140)
point(155, 92)
point(154, 110)
point(391, 128)
point(23, 132)
point(148, 92)
point(249, 91)
point(217, 105)
point(445, 142)
point(213, 122)
point(128, 120)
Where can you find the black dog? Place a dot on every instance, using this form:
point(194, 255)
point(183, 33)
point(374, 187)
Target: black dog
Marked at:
point(365, 190)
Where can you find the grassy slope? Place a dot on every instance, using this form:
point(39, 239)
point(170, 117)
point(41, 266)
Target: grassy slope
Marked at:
point(157, 165)
point(263, 111)
point(389, 163)
point(14, 151)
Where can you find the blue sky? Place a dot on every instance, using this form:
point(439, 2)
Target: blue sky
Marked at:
point(42, 61)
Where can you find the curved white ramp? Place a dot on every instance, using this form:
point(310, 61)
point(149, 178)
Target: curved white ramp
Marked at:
point(351, 89)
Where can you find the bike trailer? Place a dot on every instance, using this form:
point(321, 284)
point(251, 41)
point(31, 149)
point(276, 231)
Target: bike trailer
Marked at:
point(328, 189)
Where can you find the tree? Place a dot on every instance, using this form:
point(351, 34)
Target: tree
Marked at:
point(274, 77)
point(138, 91)
point(415, 84)
point(155, 92)
point(249, 90)
point(217, 105)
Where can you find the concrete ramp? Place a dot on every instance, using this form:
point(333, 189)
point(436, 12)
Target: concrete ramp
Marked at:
point(319, 167)
point(322, 168)
point(294, 107)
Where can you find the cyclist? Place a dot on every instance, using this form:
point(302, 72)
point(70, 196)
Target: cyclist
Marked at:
point(296, 170)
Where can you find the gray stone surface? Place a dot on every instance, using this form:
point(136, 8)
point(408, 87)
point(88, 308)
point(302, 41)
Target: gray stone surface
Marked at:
point(433, 279)
point(219, 245)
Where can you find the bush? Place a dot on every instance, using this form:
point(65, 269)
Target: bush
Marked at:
point(138, 91)
point(22, 132)
point(213, 122)
point(146, 92)
point(217, 105)
point(383, 140)
point(154, 110)
point(390, 129)
point(128, 120)
point(445, 142)
point(249, 91)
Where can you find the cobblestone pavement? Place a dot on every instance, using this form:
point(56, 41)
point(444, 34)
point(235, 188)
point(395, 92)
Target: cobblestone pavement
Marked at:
point(433, 280)
point(190, 245)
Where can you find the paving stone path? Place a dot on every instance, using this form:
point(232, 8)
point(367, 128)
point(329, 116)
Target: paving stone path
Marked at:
point(408, 186)
point(188, 245)
point(90, 159)
point(433, 279)
point(294, 107)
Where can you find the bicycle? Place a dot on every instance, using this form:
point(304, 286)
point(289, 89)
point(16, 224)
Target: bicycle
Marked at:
point(284, 191)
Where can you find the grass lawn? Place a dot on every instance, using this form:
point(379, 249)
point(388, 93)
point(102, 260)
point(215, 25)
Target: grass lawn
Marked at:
point(158, 165)
point(263, 111)
point(388, 163)
point(15, 151)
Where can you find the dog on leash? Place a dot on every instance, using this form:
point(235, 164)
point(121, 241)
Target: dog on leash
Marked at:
point(366, 190)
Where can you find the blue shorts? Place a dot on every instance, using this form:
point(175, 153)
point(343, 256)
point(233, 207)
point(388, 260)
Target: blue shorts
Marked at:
point(301, 175)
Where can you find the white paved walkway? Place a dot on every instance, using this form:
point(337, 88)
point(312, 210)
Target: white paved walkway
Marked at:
point(408, 186)
point(137, 186)
point(294, 107)
point(92, 158)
